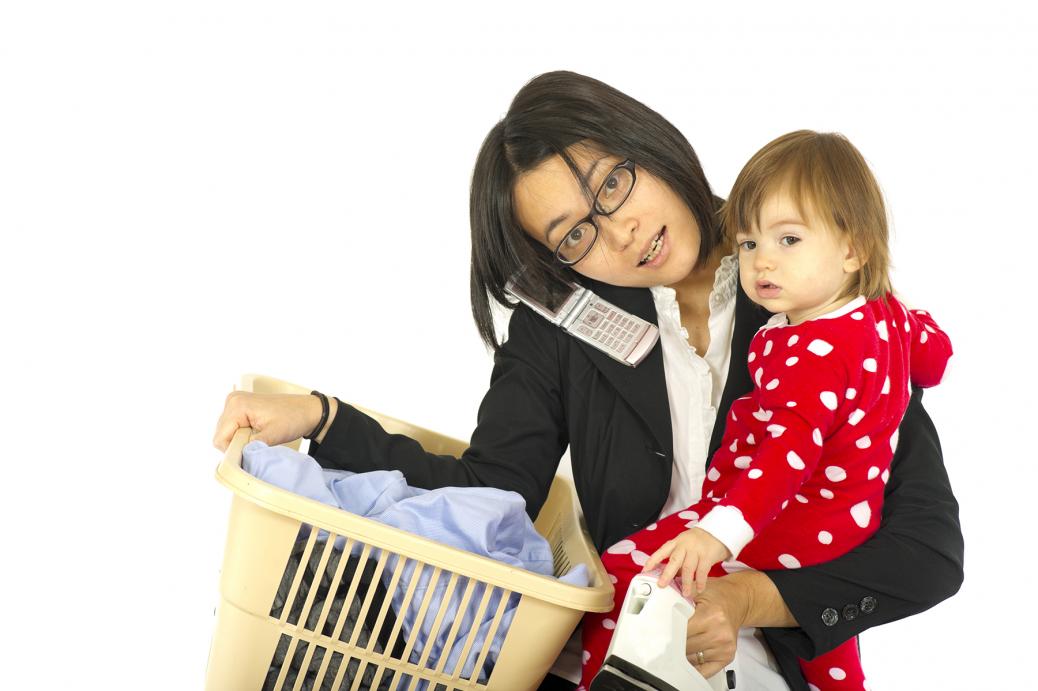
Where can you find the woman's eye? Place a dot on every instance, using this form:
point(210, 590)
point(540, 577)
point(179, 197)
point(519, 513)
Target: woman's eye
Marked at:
point(574, 236)
point(789, 240)
point(611, 183)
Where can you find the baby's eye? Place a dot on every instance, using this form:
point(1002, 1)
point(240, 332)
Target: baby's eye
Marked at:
point(789, 240)
point(747, 245)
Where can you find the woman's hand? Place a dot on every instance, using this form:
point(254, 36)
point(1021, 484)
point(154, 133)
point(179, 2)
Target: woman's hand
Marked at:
point(274, 418)
point(721, 609)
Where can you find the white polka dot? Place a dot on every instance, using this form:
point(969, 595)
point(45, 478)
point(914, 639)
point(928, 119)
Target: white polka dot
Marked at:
point(930, 329)
point(752, 357)
point(754, 473)
point(639, 557)
point(812, 687)
point(873, 472)
point(734, 446)
point(791, 404)
point(826, 493)
point(750, 439)
point(585, 656)
point(816, 437)
point(763, 415)
point(829, 399)
point(922, 337)
point(792, 361)
point(884, 476)
point(825, 537)
point(794, 461)
point(835, 473)
point(713, 474)
point(612, 579)
point(893, 441)
point(789, 561)
point(907, 327)
point(857, 316)
point(855, 417)
point(608, 624)
point(820, 347)
point(862, 514)
point(792, 340)
point(800, 498)
point(776, 430)
point(785, 504)
point(734, 419)
point(622, 547)
point(767, 347)
point(881, 329)
point(692, 524)
point(864, 442)
point(869, 365)
point(743, 462)
point(689, 515)
point(758, 374)
point(837, 673)
point(651, 526)
point(772, 385)
point(886, 386)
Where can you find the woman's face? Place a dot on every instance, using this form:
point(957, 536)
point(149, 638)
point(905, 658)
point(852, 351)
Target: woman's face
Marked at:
point(653, 223)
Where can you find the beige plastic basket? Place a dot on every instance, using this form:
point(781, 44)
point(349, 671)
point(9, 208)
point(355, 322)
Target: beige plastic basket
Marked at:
point(265, 637)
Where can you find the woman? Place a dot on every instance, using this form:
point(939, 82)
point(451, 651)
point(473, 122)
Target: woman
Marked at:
point(580, 181)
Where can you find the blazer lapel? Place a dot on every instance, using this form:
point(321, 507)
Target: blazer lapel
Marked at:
point(749, 317)
point(643, 387)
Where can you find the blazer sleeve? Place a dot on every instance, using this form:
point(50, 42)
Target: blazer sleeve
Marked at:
point(913, 562)
point(519, 436)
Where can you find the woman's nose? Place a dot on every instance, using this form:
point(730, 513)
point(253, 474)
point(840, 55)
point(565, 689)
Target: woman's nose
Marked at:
point(617, 232)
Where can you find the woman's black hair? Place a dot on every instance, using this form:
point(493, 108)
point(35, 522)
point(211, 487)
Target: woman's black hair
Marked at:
point(551, 113)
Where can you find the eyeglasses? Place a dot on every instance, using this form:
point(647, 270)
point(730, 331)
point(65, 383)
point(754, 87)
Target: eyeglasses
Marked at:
point(615, 190)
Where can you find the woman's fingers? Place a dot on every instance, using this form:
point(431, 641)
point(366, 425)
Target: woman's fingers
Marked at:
point(230, 420)
point(274, 418)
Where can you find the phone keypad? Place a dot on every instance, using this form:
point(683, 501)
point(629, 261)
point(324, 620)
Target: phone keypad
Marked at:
point(615, 331)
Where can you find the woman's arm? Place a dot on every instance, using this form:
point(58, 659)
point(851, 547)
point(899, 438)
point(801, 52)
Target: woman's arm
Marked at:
point(518, 440)
point(913, 562)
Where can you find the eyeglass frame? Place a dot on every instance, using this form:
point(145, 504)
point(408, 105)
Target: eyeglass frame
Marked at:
point(627, 164)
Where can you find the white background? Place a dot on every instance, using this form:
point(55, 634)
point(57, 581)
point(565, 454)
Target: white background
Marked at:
point(193, 190)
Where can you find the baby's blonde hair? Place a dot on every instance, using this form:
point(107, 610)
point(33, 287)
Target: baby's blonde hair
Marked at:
point(828, 180)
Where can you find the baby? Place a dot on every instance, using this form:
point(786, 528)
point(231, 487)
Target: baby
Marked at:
point(800, 475)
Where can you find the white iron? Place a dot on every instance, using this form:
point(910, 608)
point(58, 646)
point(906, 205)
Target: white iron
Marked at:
point(647, 652)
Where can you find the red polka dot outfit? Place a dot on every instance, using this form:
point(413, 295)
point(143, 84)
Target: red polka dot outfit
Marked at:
point(800, 475)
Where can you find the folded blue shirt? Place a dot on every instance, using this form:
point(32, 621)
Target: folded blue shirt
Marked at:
point(482, 520)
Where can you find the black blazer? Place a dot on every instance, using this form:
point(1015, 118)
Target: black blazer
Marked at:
point(549, 390)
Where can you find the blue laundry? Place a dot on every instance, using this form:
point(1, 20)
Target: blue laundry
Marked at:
point(482, 520)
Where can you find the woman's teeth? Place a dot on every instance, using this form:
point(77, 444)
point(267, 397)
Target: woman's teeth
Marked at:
point(657, 244)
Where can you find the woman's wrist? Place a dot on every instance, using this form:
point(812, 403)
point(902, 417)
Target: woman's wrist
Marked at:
point(755, 601)
point(333, 408)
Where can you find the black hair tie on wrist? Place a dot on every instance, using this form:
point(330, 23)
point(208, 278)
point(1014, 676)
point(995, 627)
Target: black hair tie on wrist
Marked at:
point(324, 415)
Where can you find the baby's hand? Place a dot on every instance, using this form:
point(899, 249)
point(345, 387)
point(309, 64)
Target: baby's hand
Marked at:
point(694, 552)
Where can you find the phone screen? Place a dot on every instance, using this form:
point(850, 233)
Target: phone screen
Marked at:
point(551, 297)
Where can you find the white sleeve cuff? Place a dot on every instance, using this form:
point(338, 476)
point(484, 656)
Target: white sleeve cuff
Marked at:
point(727, 525)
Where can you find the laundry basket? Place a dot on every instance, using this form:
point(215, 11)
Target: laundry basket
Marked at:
point(310, 595)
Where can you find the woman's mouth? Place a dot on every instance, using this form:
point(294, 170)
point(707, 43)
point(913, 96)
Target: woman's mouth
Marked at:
point(654, 255)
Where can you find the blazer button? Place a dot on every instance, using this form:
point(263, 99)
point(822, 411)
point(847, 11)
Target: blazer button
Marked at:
point(830, 616)
point(850, 612)
point(868, 604)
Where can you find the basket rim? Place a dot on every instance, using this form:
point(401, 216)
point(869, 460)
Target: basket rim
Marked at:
point(591, 598)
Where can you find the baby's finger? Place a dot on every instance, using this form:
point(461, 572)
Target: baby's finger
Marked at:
point(673, 564)
point(658, 556)
point(688, 574)
point(702, 570)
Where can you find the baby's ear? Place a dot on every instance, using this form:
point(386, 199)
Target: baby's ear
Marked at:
point(853, 259)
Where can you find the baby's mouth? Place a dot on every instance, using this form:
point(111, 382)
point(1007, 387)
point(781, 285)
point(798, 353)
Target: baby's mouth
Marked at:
point(654, 248)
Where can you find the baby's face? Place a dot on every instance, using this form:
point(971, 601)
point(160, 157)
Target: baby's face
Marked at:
point(793, 262)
